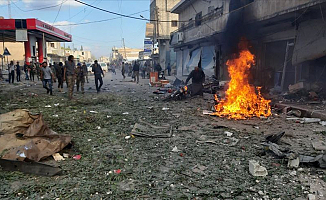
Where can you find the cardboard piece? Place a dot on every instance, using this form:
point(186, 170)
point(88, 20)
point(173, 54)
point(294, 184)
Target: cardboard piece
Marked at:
point(26, 136)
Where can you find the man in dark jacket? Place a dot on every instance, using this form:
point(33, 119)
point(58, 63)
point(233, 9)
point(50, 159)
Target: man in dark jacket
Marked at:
point(135, 69)
point(198, 77)
point(18, 71)
point(97, 69)
point(59, 71)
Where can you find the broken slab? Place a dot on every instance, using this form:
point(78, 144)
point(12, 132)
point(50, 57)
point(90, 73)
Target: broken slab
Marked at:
point(319, 145)
point(256, 170)
point(294, 163)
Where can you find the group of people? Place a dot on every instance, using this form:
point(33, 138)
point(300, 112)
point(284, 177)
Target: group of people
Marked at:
point(29, 70)
point(71, 73)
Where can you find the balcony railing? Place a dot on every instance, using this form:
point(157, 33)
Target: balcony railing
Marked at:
point(216, 13)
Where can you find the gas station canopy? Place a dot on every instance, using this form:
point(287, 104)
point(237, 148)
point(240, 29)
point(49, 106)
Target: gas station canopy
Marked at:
point(35, 27)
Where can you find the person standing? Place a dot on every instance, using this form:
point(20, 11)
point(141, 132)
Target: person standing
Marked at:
point(37, 69)
point(81, 73)
point(18, 71)
point(135, 69)
point(59, 73)
point(26, 71)
point(84, 66)
point(47, 76)
point(97, 69)
point(123, 70)
point(69, 74)
point(11, 69)
point(169, 69)
point(32, 71)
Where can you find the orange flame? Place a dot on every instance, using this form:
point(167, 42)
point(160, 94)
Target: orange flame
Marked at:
point(241, 100)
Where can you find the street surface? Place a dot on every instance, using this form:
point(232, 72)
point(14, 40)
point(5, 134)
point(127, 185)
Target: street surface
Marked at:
point(199, 161)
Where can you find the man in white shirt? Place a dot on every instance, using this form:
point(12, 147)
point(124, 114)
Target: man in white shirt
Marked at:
point(11, 69)
point(47, 76)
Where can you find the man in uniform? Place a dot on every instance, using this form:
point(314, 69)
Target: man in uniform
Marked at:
point(97, 69)
point(123, 70)
point(69, 74)
point(198, 77)
point(84, 66)
point(135, 69)
point(81, 73)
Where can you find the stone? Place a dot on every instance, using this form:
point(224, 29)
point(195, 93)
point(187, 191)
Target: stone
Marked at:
point(311, 197)
point(256, 170)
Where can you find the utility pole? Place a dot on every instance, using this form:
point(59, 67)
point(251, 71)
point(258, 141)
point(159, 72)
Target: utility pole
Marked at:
point(124, 47)
point(3, 47)
point(9, 9)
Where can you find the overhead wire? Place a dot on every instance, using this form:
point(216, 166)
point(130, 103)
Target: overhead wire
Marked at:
point(63, 1)
point(42, 8)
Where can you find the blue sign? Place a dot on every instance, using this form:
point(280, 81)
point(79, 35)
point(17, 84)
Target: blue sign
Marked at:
point(6, 52)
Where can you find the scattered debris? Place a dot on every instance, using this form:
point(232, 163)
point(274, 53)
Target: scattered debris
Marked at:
point(175, 149)
point(92, 111)
point(274, 138)
point(294, 163)
point(319, 145)
point(65, 155)
point(199, 169)
point(127, 137)
point(117, 171)
point(164, 109)
point(142, 128)
point(228, 134)
point(77, 157)
point(207, 112)
point(47, 106)
point(320, 160)
point(125, 113)
point(98, 127)
point(56, 104)
point(57, 157)
point(309, 120)
point(256, 170)
point(323, 123)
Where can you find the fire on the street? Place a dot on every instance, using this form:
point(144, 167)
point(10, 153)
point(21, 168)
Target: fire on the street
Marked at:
point(242, 100)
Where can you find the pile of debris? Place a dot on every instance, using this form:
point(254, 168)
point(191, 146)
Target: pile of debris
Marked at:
point(25, 139)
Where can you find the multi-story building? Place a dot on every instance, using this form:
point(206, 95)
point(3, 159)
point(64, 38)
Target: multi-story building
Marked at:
point(164, 22)
point(126, 54)
point(285, 36)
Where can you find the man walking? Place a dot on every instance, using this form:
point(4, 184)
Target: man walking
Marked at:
point(59, 73)
point(123, 70)
point(169, 69)
point(81, 73)
point(26, 71)
point(84, 66)
point(18, 71)
point(97, 69)
point(47, 76)
point(136, 71)
point(69, 73)
point(11, 69)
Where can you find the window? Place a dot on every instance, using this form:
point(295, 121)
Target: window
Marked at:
point(210, 9)
point(52, 45)
point(198, 19)
point(174, 23)
point(82, 53)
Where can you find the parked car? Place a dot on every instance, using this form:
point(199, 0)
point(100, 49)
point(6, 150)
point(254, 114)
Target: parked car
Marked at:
point(104, 66)
point(89, 67)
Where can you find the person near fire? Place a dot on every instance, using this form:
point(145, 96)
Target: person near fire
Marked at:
point(11, 69)
point(198, 77)
point(47, 76)
point(81, 73)
point(59, 70)
point(97, 69)
point(69, 74)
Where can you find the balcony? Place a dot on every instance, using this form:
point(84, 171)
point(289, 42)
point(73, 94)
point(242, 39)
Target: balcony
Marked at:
point(201, 27)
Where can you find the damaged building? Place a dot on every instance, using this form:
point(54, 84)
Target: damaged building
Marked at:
point(287, 38)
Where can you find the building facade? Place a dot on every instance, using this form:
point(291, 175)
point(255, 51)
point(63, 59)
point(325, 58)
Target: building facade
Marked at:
point(164, 22)
point(125, 54)
point(285, 37)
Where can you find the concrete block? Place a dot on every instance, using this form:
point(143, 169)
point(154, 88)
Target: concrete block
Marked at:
point(256, 170)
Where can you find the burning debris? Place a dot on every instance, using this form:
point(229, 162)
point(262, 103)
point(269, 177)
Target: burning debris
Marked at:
point(242, 99)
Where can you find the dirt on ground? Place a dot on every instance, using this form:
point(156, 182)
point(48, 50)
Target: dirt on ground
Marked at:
point(182, 153)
